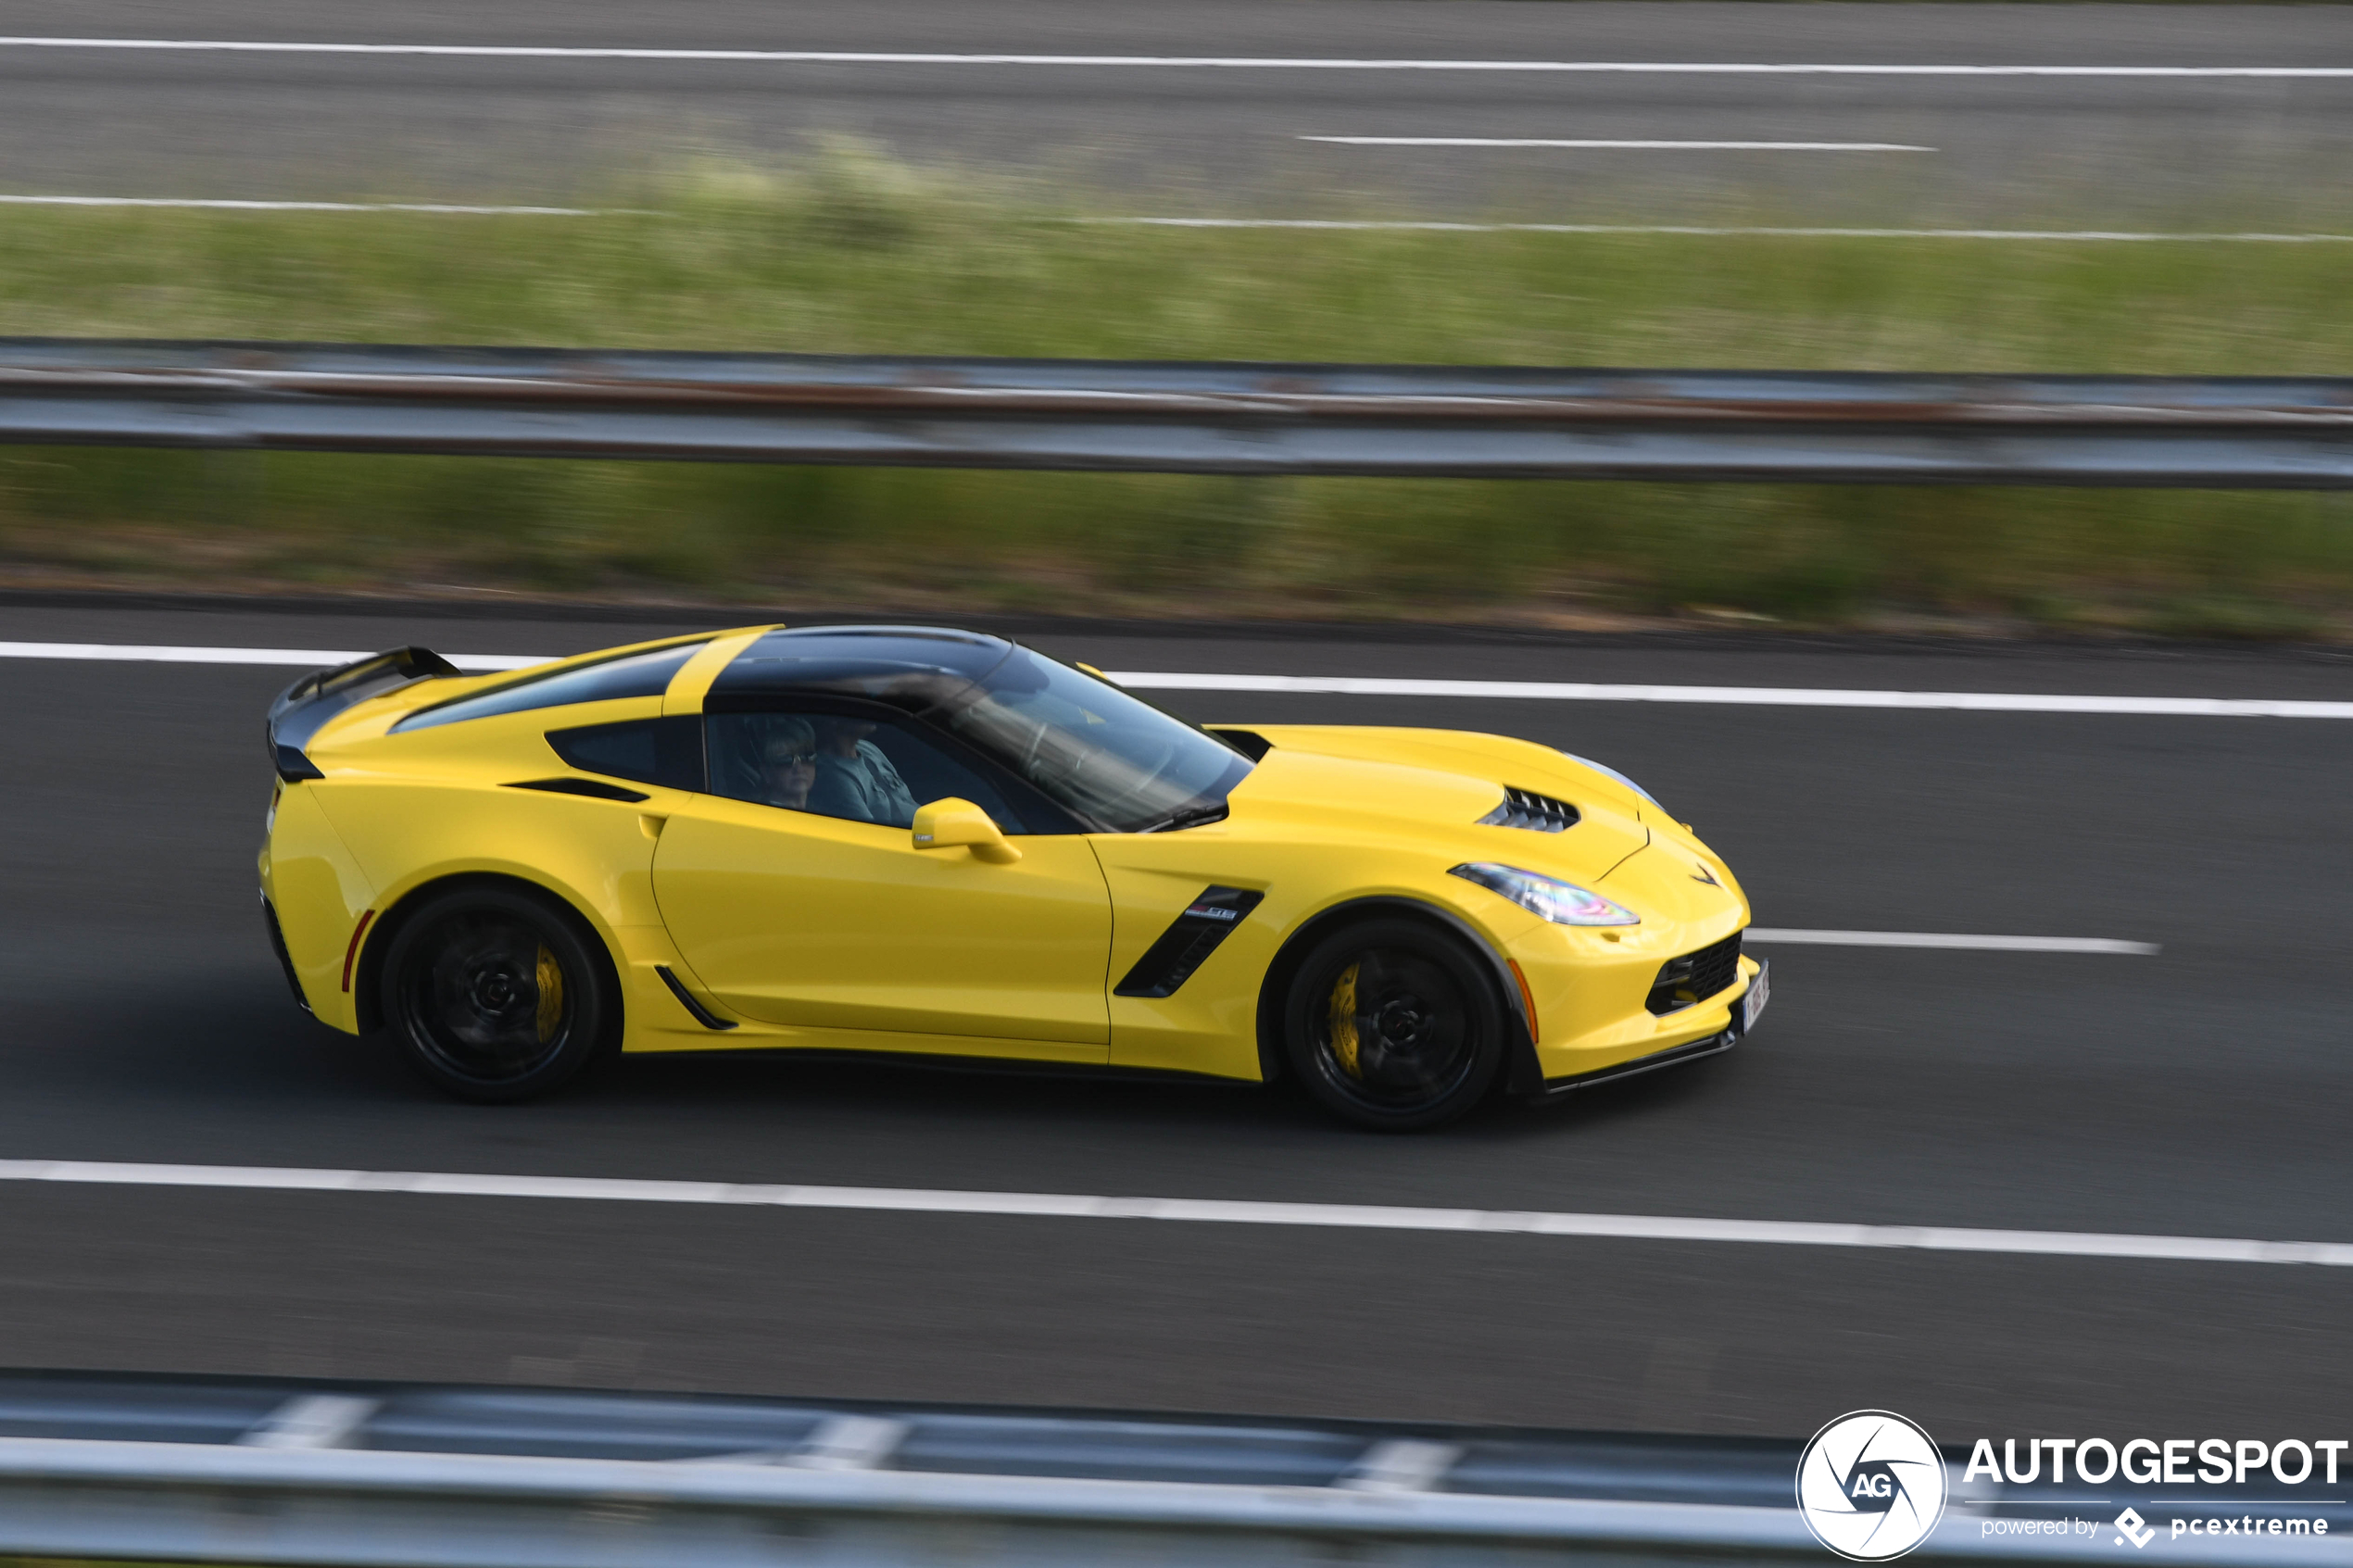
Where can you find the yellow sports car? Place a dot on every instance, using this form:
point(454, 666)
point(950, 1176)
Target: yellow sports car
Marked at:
point(903, 839)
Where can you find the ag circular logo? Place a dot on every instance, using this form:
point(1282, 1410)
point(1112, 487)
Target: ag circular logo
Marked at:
point(1870, 1485)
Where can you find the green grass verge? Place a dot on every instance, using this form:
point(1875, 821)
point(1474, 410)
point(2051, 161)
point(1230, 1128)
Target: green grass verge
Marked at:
point(858, 255)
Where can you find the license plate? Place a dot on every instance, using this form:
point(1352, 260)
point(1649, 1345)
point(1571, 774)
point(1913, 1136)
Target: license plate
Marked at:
point(1760, 991)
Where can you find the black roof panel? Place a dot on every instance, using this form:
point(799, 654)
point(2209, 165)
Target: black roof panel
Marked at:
point(913, 668)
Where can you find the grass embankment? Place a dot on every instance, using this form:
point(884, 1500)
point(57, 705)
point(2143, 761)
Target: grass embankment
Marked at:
point(860, 259)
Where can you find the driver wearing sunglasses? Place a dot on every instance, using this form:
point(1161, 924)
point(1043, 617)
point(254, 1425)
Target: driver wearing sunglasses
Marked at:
point(787, 764)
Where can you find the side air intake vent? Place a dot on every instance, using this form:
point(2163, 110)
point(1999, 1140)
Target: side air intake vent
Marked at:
point(1526, 808)
point(1188, 941)
point(595, 789)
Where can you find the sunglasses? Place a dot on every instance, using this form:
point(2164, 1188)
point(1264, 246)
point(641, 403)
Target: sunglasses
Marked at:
point(787, 758)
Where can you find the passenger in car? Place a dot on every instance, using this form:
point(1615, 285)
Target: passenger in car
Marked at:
point(855, 780)
point(788, 763)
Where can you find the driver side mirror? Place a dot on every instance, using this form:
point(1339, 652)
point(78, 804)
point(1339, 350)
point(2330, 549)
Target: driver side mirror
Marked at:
point(946, 824)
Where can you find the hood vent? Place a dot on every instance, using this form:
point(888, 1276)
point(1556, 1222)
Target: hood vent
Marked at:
point(1526, 808)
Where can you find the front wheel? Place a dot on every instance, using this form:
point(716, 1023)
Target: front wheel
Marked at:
point(494, 995)
point(1393, 1025)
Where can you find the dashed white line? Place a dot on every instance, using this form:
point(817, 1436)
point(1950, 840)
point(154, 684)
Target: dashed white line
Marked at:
point(1765, 696)
point(228, 204)
point(1622, 146)
point(1363, 685)
point(1948, 939)
point(1198, 62)
point(1080, 1205)
point(2105, 236)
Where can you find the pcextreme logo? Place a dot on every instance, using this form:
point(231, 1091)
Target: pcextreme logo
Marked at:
point(1870, 1485)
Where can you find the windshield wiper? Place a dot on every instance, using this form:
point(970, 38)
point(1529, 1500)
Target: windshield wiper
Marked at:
point(1192, 816)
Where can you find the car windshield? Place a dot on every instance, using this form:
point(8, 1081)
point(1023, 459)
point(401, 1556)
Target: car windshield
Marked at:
point(1110, 759)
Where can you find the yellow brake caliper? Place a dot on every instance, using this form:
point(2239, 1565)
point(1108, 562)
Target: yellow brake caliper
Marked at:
point(1344, 1021)
point(551, 995)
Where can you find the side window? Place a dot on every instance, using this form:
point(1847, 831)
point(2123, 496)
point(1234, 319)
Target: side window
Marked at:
point(656, 751)
point(859, 769)
point(637, 674)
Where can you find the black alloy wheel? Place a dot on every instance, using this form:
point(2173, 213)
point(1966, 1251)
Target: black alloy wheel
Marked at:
point(1393, 1025)
point(495, 994)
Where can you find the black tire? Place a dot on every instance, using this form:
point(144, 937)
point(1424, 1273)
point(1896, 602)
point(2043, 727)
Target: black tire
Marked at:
point(1393, 1025)
point(495, 994)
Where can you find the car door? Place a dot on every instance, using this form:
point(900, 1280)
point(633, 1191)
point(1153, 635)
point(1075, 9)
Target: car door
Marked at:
point(796, 895)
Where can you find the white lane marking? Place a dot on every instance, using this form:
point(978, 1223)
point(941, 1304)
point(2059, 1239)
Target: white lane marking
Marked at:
point(243, 206)
point(1365, 685)
point(1215, 62)
point(1765, 696)
point(1727, 230)
point(306, 658)
point(1081, 1206)
point(1954, 940)
point(1621, 146)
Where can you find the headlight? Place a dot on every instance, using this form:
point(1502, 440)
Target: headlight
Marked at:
point(1563, 903)
point(1609, 773)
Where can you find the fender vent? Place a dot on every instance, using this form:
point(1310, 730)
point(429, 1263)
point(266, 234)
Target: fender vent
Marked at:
point(1526, 808)
point(1188, 942)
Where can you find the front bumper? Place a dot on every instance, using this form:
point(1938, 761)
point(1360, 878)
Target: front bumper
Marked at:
point(1756, 978)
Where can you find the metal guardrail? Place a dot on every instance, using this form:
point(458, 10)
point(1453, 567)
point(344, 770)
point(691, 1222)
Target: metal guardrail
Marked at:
point(1184, 418)
point(194, 1470)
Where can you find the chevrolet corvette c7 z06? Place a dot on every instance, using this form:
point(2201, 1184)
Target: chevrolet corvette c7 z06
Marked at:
point(915, 840)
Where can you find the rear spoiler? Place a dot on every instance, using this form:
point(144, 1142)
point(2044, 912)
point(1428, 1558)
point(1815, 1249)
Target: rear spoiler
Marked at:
point(303, 708)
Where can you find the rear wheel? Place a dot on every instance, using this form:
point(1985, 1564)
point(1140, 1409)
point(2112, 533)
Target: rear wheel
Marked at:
point(495, 994)
point(1394, 1025)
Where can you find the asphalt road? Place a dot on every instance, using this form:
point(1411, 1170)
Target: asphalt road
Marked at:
point(2199, 1092)
point(2034, 152)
